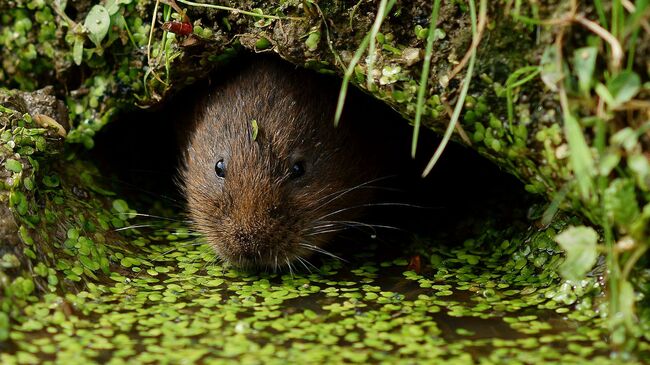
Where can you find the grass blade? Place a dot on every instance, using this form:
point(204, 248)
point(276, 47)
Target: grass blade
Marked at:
point(424, 77)
point(463, 93)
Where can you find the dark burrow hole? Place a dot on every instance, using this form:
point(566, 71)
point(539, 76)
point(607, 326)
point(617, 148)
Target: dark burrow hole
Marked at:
point(139, 156)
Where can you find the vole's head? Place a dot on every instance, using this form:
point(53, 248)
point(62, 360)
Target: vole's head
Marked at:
point(267, 177)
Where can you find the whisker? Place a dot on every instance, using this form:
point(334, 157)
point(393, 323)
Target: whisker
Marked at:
point(309, 263)
point(351, 224)
point(299, 259)
point(321, 250)
point(325, 232)
point(133, 226)
point(342, 192)
point(369, 205)
point(153, 216)
point(286, 259)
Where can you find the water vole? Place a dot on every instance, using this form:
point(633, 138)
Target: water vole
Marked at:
point(267, 177)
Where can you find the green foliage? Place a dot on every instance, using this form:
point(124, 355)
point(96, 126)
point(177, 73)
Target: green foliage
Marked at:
point(97, 23)
point(4, 326)
point(515, 80)
point(312, 41)
point(620, 203)
point(580, 245)
point(582, 161)
point(584, 64)
point(13, 165)
point(620, 89)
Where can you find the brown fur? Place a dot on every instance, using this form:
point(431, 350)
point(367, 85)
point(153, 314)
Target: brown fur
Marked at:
point(258, 215)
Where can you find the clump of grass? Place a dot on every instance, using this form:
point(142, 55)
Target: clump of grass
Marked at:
point(478, 25)
point(603, 123)
point(368, 44)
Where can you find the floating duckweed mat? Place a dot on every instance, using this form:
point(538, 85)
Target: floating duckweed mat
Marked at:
point(488, 300)
point(111, 285)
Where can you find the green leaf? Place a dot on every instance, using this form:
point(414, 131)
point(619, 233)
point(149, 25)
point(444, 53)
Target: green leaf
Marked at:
point(640, 166)
point(112, 6)
point(620, 202)
point(89, 263)
point(4, 326)
point(120, 206)
point(51, 181)
point(624, 86)
point(626, 138)
point(580, 245)
point(61, 4)
point(97, 22)
point(551, 75)
point(584, 63)
point(312, 41)
point(78, 50)
point(608, 162)
point(580, 158)
point(262, 43)
point(627, 299)
point(604, 94)
point(13, 165)
point(421, 32)
point(254, 129)
point(620, 89)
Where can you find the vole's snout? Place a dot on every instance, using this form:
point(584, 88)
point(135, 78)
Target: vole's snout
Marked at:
point(250, 244)
point(251, 241)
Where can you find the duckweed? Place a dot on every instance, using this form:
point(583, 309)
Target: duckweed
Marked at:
point(469, 302)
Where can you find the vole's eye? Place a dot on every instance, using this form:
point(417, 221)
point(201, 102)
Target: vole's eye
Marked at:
point(297, 170)
point(220, 168)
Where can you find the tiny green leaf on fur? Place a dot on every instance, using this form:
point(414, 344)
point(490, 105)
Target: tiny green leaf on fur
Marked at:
point(254, 129)
point(580, 245)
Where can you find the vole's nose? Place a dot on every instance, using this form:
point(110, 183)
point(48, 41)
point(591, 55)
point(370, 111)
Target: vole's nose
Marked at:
point(251, 244)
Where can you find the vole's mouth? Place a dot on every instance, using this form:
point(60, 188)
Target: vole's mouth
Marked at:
point(267, 261)
point(287, 258)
